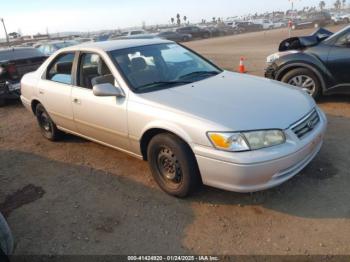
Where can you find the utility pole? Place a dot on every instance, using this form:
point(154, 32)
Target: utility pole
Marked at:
point(7, 37)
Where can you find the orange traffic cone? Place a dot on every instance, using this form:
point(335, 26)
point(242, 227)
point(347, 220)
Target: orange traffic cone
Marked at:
point(241, 68)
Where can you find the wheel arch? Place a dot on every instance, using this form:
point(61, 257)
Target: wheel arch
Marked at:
point(151, 132)
point(34, 104)
point(286, 68)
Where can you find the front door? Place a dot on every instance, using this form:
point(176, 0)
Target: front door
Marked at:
point(103, 119)
point(339, 60)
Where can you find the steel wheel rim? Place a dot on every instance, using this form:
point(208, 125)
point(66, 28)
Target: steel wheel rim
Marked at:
point(169, 168)
point(305, 82)
point(45, 122)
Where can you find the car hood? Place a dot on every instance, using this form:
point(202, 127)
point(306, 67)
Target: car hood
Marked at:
point(298, 43)
point(236, 102)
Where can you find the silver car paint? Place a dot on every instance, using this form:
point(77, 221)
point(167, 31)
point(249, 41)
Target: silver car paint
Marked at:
point(226, 102)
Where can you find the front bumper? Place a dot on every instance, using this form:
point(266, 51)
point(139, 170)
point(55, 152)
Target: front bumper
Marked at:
point(262, 169)
point(10, 90)
point(270, 71)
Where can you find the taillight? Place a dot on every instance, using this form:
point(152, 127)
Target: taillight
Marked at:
point(11, 69)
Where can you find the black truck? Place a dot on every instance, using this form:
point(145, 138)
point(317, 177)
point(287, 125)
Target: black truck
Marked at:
point(14, 63)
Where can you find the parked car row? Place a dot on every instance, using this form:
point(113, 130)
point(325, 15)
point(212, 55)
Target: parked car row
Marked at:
point(315, 20)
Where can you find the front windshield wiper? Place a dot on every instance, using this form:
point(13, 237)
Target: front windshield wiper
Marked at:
point(200, 73)
point(163, 83)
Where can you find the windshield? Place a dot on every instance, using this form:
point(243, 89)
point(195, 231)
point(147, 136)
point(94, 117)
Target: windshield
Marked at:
point(330, 39)
point(155, 67)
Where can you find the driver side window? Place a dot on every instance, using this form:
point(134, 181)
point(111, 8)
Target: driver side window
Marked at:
point(93, 70)
point(344, 40)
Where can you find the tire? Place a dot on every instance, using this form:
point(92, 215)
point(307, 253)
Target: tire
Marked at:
point(173, 165)
point(304, 73)
point(206, 35)
point(6, 239)
point(185, 39)
point(2, 102)
point(47, 127)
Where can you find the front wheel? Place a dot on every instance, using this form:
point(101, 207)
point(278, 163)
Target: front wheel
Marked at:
point(185, 39)
point(47, 126)
point(2, 102)
point(305, 79)
point(173, 165)
point(6, 239)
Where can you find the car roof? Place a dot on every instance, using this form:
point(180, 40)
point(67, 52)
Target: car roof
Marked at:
point(117, 44)
point(15, 48)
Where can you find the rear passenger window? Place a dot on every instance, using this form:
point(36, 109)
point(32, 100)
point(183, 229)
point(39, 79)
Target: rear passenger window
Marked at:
point(61, 69)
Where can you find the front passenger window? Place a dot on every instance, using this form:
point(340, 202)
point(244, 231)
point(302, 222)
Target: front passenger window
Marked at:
point(93, 70)
point(344, 41)
point(61, 69)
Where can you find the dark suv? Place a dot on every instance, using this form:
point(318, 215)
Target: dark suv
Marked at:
point(319, 63)
point(195, 31)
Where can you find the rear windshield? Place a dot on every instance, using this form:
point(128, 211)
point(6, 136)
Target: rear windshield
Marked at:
point(16, 54)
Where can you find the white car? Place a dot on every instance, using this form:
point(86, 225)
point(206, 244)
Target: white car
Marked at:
point(133, 33)
point(192, 121)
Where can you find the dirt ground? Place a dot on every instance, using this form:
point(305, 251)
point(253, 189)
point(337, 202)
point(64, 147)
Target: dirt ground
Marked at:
point(77, 197)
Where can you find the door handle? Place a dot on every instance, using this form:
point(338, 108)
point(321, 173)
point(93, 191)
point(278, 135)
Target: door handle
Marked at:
point(41, 91)
point(76, 101)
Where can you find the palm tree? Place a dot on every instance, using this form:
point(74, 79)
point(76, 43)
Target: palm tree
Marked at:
point(179, 18)
point(185, 19)
point(322, 5)
point(344, 3)
point(337, 4)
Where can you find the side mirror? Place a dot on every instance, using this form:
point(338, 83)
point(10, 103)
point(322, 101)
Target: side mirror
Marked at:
point(107, 89)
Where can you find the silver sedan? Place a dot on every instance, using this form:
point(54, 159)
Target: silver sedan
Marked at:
point(192, 121)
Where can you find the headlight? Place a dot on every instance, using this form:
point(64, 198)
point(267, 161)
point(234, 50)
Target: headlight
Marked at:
point(272, 58)
point(245, 141)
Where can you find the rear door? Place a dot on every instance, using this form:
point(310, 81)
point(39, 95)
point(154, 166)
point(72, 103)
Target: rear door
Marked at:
point(103, 119)
point(55, 90)
point(339, 59)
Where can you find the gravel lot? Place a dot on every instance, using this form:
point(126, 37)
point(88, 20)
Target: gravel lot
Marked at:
point(77, 197)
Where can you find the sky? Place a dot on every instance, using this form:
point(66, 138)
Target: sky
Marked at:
point(33, 16)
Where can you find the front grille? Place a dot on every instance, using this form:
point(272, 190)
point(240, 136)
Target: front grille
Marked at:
point(306, 125)
point(270, 72)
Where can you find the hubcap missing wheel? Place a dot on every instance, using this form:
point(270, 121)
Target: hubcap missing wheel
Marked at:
point(169, 166)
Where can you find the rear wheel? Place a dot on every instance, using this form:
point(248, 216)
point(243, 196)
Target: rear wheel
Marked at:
point(305, 79)
point(206, 35)
point(47, 126)
point(173, 165)
point(185, 39)
point(6, 239)
point(2, 102)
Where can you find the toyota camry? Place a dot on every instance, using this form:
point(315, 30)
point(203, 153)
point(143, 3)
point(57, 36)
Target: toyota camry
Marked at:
point(192, 121)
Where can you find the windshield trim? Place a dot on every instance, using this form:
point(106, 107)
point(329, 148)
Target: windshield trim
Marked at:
point(333, 38)
point(136, 91)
